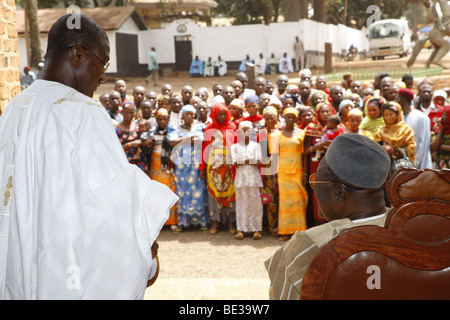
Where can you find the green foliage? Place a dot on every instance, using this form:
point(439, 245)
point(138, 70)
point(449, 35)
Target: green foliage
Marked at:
point(357, 10)
point(43, 4)
point(246, 11)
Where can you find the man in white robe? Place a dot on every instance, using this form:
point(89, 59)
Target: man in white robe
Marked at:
point(77, 220)
point(221, 66)
point(260, 65)
point(285, 64)
point(420, 123)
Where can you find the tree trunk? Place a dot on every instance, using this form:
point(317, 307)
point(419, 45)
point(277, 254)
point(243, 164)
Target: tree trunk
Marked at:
point(35, 41)
point(303, 9)
point(319, 11)
point(276, 9)
point(291, 10)
point(345, 12)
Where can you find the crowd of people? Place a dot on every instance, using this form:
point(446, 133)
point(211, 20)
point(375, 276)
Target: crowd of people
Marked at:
point(240, 157)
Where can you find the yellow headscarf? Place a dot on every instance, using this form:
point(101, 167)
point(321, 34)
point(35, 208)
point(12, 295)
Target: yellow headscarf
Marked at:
point(369, 124)
point(161, 111)
point(290, 110)
point(399, 134)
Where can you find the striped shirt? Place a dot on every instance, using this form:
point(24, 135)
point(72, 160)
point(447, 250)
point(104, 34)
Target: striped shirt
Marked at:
point(288, 265)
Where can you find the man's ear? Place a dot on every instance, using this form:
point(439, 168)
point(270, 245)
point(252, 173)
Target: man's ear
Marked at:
point(77, 53)
point(341, 193)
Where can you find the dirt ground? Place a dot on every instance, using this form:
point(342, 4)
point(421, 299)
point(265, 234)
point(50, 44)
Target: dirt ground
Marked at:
point(199, 266)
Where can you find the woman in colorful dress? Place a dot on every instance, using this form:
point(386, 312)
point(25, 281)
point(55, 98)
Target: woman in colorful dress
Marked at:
point(440, 145)
point(129, 137)
point(291, 179)
point(313, 142)
point(268, 135)
point(396, 134)
point(161, 168)
point(186, 141)
point(218, 169)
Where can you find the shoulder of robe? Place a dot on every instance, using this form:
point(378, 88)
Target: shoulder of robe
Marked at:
point(77, 97)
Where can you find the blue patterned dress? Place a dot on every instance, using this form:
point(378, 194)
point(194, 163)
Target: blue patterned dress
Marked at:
point(190, 187)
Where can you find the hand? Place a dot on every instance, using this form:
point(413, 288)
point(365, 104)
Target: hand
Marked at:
point(305, 179)
point(155, 248)
point(202, 174)
point(147, 143)
point(388, 149)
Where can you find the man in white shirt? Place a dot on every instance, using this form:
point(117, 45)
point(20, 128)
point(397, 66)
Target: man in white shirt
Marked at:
point(242, 77)
point(78, 220)
point(175, 118)
point(420, 124)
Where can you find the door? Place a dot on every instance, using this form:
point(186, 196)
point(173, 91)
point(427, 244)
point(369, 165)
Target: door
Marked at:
point(183, 53)
point(127, 54)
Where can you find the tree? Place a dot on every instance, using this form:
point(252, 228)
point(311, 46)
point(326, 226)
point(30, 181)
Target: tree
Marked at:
point(319, 10)
point(35, 54)
point(292, 10)
point(249, 11)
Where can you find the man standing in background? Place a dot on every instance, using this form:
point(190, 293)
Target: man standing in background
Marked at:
point(299, 54)
point(153, 67)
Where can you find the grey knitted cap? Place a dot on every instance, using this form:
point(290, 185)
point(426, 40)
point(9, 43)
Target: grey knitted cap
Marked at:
point(358, 160)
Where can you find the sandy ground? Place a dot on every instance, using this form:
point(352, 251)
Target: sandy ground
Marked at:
point(201, 266)
point(198, 266)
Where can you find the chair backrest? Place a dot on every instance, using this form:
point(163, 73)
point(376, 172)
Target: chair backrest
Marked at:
point(408, 258)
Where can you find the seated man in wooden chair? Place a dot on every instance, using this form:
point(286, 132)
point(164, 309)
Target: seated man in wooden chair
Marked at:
point(349, 187)
point(408, 258)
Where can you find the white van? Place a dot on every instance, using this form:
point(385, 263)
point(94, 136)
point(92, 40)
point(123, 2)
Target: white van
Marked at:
point(388, 38)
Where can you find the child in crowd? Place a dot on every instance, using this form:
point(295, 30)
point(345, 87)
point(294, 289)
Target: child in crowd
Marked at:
point(252, 108)
point(161, 167)
point(146, 135)
point(332, 130)
point(246, 157)
point(237, 107)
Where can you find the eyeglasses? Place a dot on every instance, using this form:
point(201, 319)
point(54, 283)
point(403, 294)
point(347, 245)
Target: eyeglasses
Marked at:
point(313, 182)
point(105, 64)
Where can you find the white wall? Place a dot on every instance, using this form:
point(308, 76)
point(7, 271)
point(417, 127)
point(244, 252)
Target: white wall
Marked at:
point(234, 42)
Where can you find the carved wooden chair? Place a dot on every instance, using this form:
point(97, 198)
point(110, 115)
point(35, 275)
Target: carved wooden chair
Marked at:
point(408, 258)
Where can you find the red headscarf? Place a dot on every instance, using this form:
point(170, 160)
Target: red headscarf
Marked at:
point(315, 128)
point(227, 128)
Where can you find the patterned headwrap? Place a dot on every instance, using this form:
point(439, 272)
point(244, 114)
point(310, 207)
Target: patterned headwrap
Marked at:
point(128, 104)
point(270, 109)
point(239, 103)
